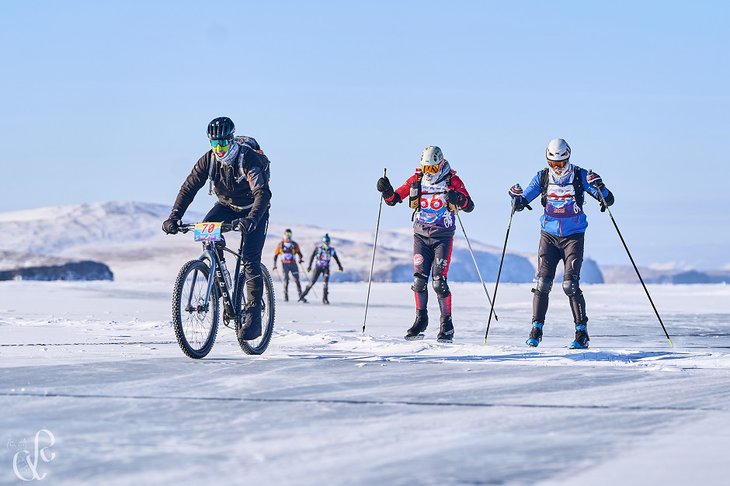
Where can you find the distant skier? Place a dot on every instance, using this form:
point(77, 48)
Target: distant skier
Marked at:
point(322, 253)
point(562, 186)
point(289, 251)
point(239, 175)
point(435, 193)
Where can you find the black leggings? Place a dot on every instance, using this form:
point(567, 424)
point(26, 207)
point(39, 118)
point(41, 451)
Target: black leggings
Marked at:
point(552, 250)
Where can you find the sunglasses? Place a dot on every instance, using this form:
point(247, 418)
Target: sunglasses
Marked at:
point(220, 143)
point(430, 169)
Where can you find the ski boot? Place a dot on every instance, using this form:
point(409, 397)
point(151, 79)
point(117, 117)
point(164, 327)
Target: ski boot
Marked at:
point(416, 330)
point(446, 332)
point(250, 328)
point(535, 335)
point(302, 299)
point(581, 337)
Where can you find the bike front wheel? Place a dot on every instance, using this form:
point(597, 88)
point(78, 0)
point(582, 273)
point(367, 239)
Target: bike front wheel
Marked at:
point(268, 311)
point(195, 322)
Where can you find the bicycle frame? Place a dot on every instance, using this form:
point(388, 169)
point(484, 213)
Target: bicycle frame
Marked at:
point(210, 253)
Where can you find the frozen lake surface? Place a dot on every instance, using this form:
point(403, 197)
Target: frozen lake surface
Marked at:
point(97, 365)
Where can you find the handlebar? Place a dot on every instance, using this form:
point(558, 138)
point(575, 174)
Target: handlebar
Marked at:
point(225, 227)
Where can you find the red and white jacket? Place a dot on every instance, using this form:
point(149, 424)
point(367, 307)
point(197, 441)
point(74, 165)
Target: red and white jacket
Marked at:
point(434, 215)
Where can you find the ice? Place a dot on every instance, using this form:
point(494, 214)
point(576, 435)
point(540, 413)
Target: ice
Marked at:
point(96, 363)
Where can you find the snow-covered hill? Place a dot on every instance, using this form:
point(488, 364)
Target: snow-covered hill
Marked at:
point(127, 237)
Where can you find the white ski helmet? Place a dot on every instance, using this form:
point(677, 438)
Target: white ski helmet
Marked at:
point(431, 157)
point(557, 150)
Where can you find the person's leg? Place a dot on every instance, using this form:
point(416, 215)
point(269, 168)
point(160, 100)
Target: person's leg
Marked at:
point(251, 262)
point(295, 275)
point(423, 256)
point(422, 260)
point(313, 280)
point(442, 252)
point(573, 247)
point(325, 285)
point(221, 213)
point(548, 256)
point(286, 268)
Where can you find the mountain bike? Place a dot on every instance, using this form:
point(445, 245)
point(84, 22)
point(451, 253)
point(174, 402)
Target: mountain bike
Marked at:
point(200, 287)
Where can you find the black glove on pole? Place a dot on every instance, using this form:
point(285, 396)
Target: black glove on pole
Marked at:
point(603, 201)
point(375, 244)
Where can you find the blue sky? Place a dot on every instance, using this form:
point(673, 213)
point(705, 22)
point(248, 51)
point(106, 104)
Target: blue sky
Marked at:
point(109, 101)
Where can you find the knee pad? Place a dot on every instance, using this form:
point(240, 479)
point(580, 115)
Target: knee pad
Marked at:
point(571, 288)
point(441, 286)
point(543, 286)
point(420, 282)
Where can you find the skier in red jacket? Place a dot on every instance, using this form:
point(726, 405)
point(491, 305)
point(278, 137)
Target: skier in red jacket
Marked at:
point(435, 193)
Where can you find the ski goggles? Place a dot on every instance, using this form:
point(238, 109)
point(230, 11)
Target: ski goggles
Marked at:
point(430, 169)
point(220, 145)
point(558, 164)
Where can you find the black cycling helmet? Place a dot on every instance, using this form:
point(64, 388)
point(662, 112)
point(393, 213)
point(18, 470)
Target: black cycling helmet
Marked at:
point(221, 128)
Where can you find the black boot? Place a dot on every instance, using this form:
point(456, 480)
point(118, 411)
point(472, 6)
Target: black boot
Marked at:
point(446, 332)
point(581, 337)
point(420, 325)
point(251, 326)
point(535, 335)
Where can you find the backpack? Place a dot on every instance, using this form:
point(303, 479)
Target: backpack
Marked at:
point(577, 186)
point(246, 143)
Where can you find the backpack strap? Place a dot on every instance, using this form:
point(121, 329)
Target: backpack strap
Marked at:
point(578, 186)
point(544, 179)
point(414, 197)
point(210, 176)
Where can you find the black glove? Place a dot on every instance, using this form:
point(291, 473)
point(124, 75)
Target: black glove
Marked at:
point(457, 198)
point(301, 260)
point(384, 187)
point(309, 268)
point(171, 226)
point(594, 180)
point(341, 269)
point(519, 202)
point(246, 225)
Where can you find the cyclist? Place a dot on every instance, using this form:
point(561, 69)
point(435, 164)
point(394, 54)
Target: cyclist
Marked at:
point(238, 172)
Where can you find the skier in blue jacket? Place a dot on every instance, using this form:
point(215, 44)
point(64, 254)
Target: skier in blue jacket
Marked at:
point(562, 187)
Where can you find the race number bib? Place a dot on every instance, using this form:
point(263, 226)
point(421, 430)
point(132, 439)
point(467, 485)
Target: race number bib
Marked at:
point(207, 232)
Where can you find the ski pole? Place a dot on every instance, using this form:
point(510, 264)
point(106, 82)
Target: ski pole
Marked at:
point(372, 262)
point(499, 273)
point(638, 274)
point(311, 285)
point(475, 264)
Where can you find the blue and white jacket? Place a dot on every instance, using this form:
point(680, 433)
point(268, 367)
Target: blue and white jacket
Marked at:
point(564, 215)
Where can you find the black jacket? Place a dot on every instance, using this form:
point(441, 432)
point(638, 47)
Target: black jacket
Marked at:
point(243, 185)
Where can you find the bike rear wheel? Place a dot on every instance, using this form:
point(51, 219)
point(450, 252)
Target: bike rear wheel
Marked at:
point(195, 323)
point(268, 312)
